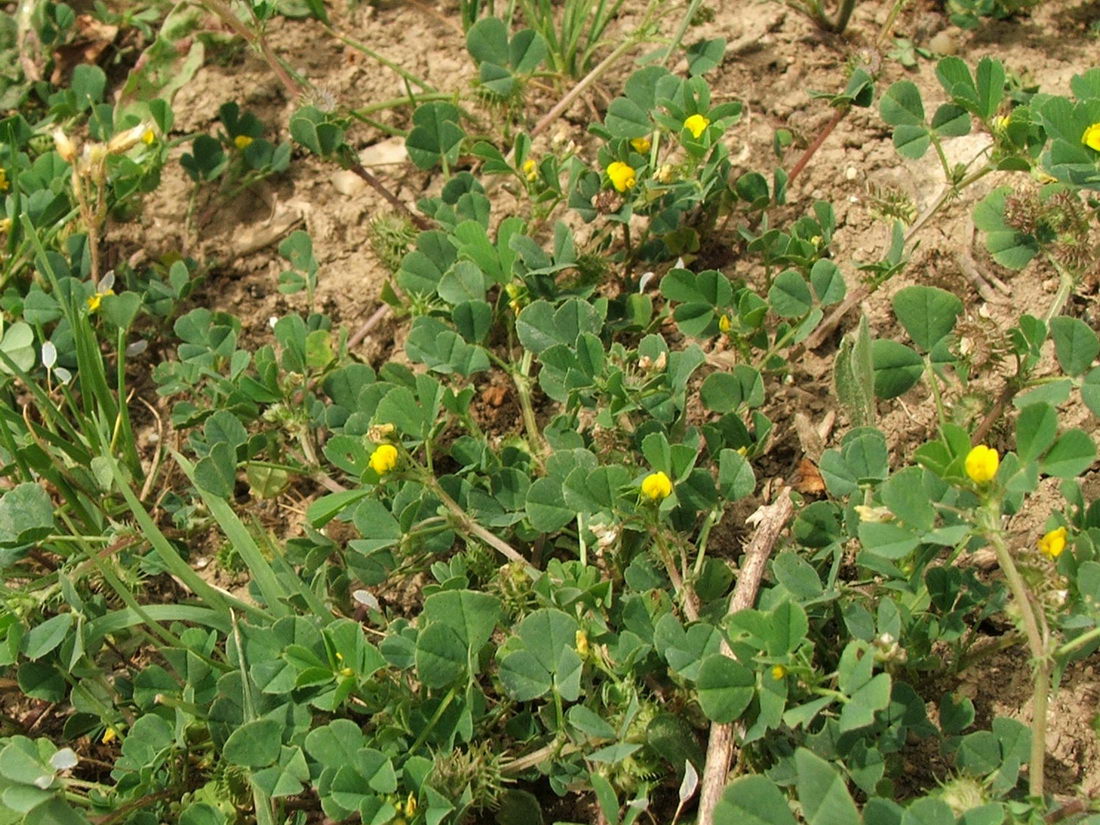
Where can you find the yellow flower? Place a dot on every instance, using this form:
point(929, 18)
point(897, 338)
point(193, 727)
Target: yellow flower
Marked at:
point(580, 641)
point(109, 736)
point(531, 169)
point(383, 459)
point(696, 124)
point(725, 324)
point(778, 672)
point(3, 180)
point(242, 142)
point(410, 805)
point(656, 486)
point(148, 137)
point(95, 300)
point(622, 176)
point(1053, 543)
point(5, 225)
point(1091, 138)
point(641, 145)
point(982, 463)
point(346, 672)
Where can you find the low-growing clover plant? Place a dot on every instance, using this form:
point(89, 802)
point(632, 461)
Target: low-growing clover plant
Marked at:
point(572, 633)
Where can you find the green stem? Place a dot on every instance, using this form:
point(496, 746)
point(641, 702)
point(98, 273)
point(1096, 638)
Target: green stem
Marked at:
point(1078, 642)
point(1066, 284)
point(395, 102)
point(522, 380)
point(843, 15)
point(934, 383)
point(682, 589)
point(704, 537)
point(439, 711)
point(681, 30)
point(1035, 640)
point(389, 64)
point(467, 524)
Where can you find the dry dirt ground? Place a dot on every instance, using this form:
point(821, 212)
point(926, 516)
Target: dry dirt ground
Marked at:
point(775, 57)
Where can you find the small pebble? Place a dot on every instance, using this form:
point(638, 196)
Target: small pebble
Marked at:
point(347, 183)
point(943, 43)
point(851, 173)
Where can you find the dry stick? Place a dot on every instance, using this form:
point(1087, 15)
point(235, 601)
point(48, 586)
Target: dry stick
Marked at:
point(375, 319)
point(772, 518)
point(563, 105)
point(822, 136)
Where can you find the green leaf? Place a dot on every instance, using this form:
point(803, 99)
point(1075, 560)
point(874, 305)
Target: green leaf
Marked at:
point(725, 688)
point(526, 51)
point(200, 813)
point(286, 777)
point(753, 800)
point(705, 55)
point(120, 310)
point(18, 345)
point(1070, 456)
point(540, 327)
point(927, 313)
point(546, 507)
point(911, 141)
point(1075, 344)
point(254, 744)
point(472, 615)
point(473, 320)
point(217, 472)
point(545, 632)
point(44, 637)
point(487, 41)
point(430, 342)
point(26, 515)
point(901, 105)
point(399, 407)
point(787, 628)
point(890, 541)
point(954, 76)
point(907, 499)
point(951, 120)
point(441, 656)
point(547, 635)
point(1036, 427)
point(860, 711)
point(797, 576)
point(897, 367)
point(790, 295)
point(828, 282)
point(436, 135)
point(88, 83)
point(1008, 246)
point(335, 744)
point(523, 678)
point(822, 793)
point(990, 82)
point(736, 479)
point(928, 811)
point(325, 509)
point(1090, 391)
point(626, 119)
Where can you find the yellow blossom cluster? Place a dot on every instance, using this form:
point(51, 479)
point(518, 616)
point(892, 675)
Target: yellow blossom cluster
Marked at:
point(982, 463)
point(656, 486)
point(383, 459)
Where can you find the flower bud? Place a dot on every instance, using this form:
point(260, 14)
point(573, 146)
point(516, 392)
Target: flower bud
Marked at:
point(64, 146)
